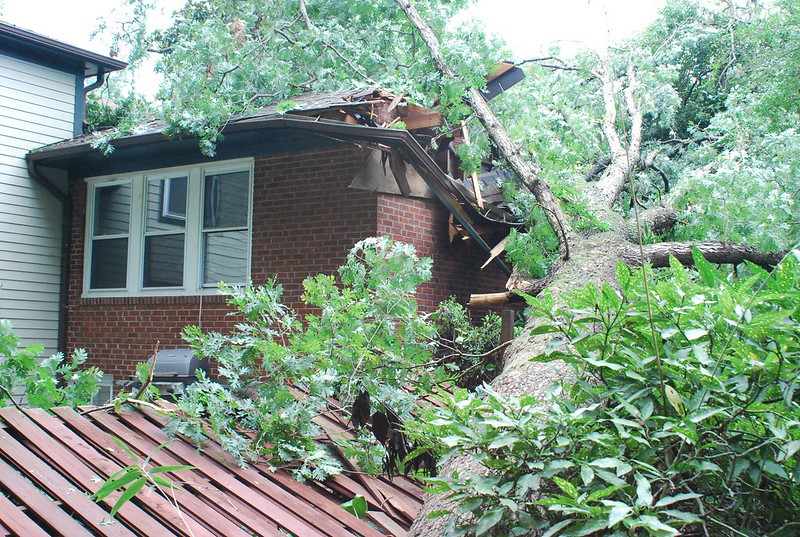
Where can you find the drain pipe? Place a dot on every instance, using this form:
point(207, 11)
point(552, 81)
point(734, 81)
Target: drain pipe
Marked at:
point(101, 78)
point(66, 242)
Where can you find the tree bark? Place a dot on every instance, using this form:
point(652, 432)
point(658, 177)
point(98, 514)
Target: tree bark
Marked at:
point(583, 259)
point(713, 251)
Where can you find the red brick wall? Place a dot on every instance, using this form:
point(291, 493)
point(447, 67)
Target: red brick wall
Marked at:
point(456, 267)
point(305, 220)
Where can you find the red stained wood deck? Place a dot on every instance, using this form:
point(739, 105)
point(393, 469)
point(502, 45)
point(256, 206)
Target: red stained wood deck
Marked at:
point(51, 463)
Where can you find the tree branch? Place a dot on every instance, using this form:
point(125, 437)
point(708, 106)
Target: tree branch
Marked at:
point(624, 160)
point(714, 251)
point(499, 136)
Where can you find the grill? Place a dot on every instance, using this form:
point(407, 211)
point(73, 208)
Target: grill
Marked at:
point(174, 369)
point(177, 365)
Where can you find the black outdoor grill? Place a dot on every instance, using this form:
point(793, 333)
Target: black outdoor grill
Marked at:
point(174, 369)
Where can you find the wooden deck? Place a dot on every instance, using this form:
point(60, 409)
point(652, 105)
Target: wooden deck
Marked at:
point(50, 463)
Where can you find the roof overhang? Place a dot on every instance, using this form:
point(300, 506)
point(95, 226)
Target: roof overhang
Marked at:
point(50, 51)
point(259, 136)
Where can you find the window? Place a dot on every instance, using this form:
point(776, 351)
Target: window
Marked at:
point(176, 231)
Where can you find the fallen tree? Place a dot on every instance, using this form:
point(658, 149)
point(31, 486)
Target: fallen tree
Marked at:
point(585, 258)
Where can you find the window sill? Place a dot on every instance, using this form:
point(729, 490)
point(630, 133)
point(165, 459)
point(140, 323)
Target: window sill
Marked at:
point(207, 296)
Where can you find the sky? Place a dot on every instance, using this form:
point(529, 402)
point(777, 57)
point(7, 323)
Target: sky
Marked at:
point(529, 26)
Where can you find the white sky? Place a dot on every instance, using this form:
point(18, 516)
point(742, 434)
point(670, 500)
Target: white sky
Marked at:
point(529, 26)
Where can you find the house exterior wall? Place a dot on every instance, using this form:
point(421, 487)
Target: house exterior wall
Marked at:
point(457, 266)
point(305, 220)
point(37, 107)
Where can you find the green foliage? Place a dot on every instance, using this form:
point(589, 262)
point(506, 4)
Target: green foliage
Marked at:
point(468, 350)
point(48, 382)
point(684, 419)
point(357, 506)
point(221, 58)
point(133, 478)
point(280, 370)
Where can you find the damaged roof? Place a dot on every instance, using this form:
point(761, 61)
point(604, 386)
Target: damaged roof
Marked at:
point(367, 117)
point(51, 463)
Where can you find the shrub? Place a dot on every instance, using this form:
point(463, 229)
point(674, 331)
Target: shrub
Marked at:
point(683, 422)
point(53, 381)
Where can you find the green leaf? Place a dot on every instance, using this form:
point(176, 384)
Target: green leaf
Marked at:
point(503, 441)
point(123, 477)
point(543, 329)
point(587, 475)
point(121, 444)
point(695, 333)
point(129, 493)
point(602, 493)
point(644, 494)
point(610, 478)
point(654, 526)
point(162, 469)
point(163, 482)
point(554, 529)
point(357, 506)
point(618, 513)
point(488, 521)
point(568, 488)
point(789, 449)
point(669, 500)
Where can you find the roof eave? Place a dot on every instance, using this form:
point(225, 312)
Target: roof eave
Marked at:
point(91, 59)
point(402, 140)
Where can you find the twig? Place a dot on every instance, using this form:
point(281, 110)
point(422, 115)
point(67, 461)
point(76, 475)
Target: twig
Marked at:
point(150, 375)
point(11, 397)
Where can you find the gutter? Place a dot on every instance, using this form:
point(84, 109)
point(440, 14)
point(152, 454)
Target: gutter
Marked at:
point(66, 244)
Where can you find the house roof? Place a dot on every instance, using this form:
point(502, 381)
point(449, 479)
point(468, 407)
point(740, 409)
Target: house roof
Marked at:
point(31, 44)
point(49, 463)
point(314, 120)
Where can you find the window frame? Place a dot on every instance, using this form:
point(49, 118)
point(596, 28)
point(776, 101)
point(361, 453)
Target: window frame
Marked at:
point(193, 259)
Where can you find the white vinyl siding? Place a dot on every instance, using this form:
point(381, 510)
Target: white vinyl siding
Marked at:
point(169, 246)
point(37, 107)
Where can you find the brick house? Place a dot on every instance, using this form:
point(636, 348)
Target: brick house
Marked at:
point(155, 224)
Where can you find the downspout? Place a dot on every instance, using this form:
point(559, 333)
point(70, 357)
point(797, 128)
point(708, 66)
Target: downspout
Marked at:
point(66, 242)
point(101, 78)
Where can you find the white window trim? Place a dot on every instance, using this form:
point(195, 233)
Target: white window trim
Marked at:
point(193, 250)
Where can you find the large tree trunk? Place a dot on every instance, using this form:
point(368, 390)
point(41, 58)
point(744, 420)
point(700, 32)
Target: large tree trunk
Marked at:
point(583, 259)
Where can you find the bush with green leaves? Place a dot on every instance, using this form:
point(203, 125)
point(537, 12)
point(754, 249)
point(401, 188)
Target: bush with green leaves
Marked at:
point(279, 370)
point(683, 420)
point(48, 382)
point(471, 351)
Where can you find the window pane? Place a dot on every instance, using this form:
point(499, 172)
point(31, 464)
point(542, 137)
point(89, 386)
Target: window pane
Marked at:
point(225, 257)
point(109, 263)
point(226, 200)
point(163, 261)
point(166, 204)
point(112, 208)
